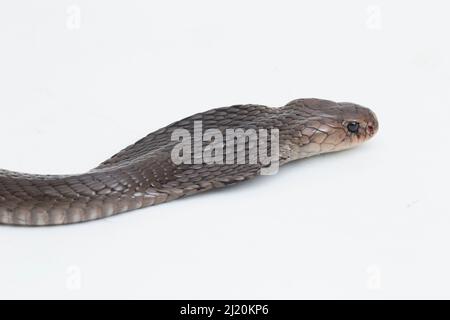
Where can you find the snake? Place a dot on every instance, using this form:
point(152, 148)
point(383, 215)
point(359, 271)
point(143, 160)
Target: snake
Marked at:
point(146, 174)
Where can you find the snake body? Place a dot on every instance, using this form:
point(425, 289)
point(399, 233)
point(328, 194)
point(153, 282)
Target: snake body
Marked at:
point(144, 174)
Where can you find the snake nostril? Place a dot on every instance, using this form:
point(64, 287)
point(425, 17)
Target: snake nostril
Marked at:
point(370, 129)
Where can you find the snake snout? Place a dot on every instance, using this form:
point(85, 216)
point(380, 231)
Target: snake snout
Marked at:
point(372, 124)
point(370, 129)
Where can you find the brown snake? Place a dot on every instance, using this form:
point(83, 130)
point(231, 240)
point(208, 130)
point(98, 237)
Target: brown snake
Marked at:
point(145, 174)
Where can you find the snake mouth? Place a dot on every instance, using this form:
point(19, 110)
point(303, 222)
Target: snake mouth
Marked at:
point(372, 124)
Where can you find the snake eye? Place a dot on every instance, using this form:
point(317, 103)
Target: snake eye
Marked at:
point(353, 126)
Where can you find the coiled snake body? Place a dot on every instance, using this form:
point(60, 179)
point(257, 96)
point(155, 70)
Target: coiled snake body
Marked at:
point(145, 174)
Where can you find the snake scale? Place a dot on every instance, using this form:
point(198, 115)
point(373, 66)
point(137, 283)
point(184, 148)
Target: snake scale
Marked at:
point(144, 174)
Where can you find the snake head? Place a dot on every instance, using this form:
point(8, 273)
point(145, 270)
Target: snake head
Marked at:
point(332, 126)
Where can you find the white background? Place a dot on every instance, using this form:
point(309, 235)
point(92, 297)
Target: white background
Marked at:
point(79, 80)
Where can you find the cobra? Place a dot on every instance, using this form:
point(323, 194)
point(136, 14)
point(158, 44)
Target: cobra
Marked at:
point(144, 174)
